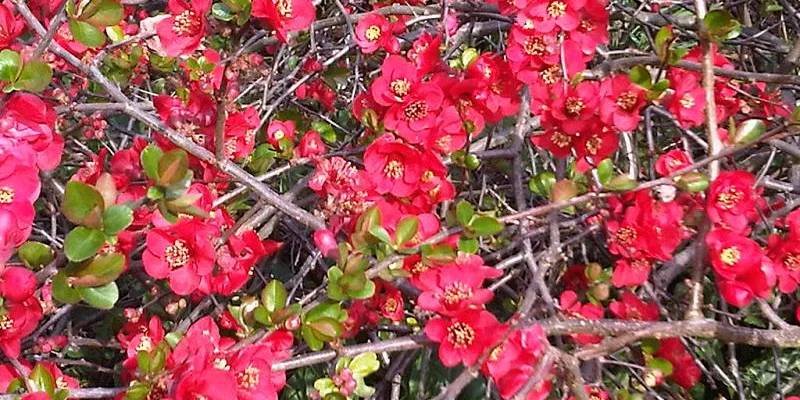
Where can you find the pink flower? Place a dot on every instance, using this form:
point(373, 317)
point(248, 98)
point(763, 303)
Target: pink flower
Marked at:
point(374, 32)
point(183, 30)
point(183, 253)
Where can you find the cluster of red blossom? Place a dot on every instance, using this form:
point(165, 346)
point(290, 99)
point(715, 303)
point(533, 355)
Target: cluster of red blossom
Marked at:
point(28, 145)
point(204, 364)
point(11, 378)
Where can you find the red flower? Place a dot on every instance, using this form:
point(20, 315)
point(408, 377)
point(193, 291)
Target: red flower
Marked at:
point(594, 144)
point(688, 103)
point(553, 14)
point(393, 166)
point(633, 308)
point(18, 321)
point(240, 133)
point(742, 268)
point(252, 367)
point(285, 16)
point(424, 53)
point(574, 108)
point(208, 384)
point(311, 145)
point(672, 161)
point(621, 103)
point(447, 290)
point(17, 284)
point(570, 304)
point(555, 141)
point(374, 32)
point(630, 272)
point(685, 372)
point(731, 200)
point(414, 119)
point(28, 121)
point(465, 336)
point(235, 262)
point(280, 131)
point(399, 78)
point(10, 27)
point(182, 252)
point(183, 30)
point(514, 360)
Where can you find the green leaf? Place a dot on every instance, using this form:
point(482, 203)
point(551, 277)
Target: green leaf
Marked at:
point(43, 378)
point(116, 218)
point(662, 365)
point(721, 25)
point(563, 190)
point(149, 158)
point(324, 310)
point(485, 226)
point(63, 291)
point(693, 182)
point(464, 212)
point(102, 297)
point(100, 271)
point(406, 229)
point(172, 167)
point(173, 338)
point(83, 204)
point(35, 255)
point(366, 291)
point(364, 364)
point(34, 77)
point(326, 329)
point(222, 12)
point(749, 131)
point(468, 245)
point(82, 243)
point(107, 13)
point(542, 184)
point(311, 340)
point(605, 170)
point(273, 296)
point(640, 75)
point(621, 183)
point(381, 234)
point(86, 33)
point(325, 131)
point(663, 40)
point(10, 63)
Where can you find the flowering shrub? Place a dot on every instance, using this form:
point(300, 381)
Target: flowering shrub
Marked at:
point(212, 199)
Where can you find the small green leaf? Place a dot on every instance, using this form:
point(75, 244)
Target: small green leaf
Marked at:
point(326, 329)
point(621, 183)
point(640, 75)
point(468, 245)
point(273, 296)
point(663, 40)
point(364, 364)
point(43, 379)
point(485, 226)
point(469, 56)
point(542, 184)
point(749, 130)
point(63, 291)
point(325, 131)
point(35, 255)
point(149, 158)
point(406, 229)
point(693, 182)
point(173, 338)
point(662, 365)
point(605, 170)
point(563, 190)
point(86, 34)
point(83, 204)
point(102, 297)
point(380, 233)
point(222, 12)
point(116, 218)
point(107, 13)
point(464, 212)
point(10, 63)
point(82, 243)
point(100, 271)
point(721, 25)
point(172, 167)
point(34, 77)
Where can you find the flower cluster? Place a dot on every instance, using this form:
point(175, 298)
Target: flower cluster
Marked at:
point(203, 363)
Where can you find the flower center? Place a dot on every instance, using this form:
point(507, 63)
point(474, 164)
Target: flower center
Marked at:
point(390, 306)
point(560, 139)
point(248, 378)
point(285, 8)
point(792, 261)
point(574, 106)
point(557, 9)
point(186, 24)
point(6, 195)
point(587, 25)
point(279, 134)
point(626, 235)
point(177, 254)
point(460, 335)
point(729, 198)
point(145, 344)
point(6, 323)
point(687, 101)
point(627, 100)
point(456, 292)
point(593, 145)
point(496, 352)
point(393, 169)
point(551, 74)
point(373, 33)
point(400, 87)
point(415, 111)
point(730, 255)
point(534, 46)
